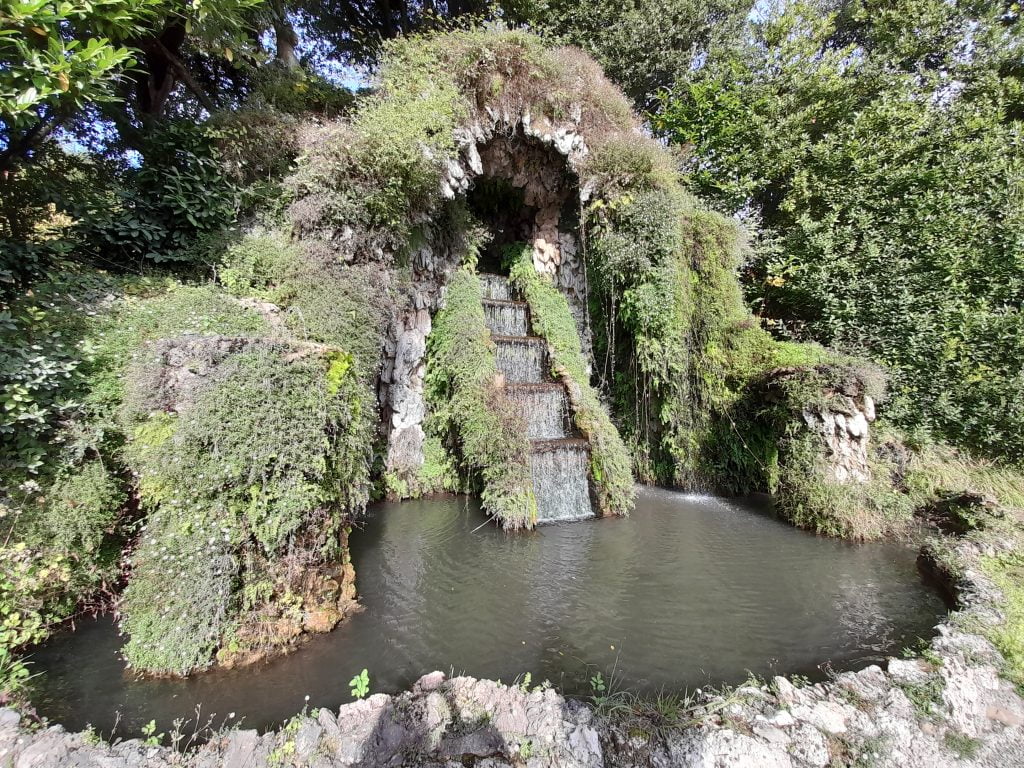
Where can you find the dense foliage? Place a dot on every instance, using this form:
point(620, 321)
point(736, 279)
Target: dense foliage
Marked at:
point(643, 45)
point(232, 489)
point(65, 492)
point(879, 148)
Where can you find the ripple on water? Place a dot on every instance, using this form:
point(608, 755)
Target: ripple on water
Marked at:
point(689, 590)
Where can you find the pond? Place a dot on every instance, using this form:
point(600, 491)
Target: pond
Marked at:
point(688, 591)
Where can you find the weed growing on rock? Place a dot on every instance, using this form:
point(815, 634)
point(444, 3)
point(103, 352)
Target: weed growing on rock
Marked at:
point(1007, 572)
point(963, 746)
point(360, 685)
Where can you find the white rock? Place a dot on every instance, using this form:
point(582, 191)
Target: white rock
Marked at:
point(782, 719)
point(857, 425)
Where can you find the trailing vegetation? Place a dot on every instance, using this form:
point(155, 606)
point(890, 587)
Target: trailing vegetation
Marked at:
point(469, 409)
point(257, 494)
point(673, 342)
point(883, 166)
point(610, 465)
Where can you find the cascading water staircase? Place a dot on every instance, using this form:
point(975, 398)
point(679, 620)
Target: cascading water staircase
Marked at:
point(559, 458)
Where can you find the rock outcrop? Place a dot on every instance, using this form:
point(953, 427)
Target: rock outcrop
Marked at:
point(842, 428)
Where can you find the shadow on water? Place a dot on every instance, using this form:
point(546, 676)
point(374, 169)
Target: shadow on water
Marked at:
point(688, 591)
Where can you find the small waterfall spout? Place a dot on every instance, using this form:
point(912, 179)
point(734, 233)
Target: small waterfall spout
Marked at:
point(495, 287)
point(559, 470)
point(544, 407)
point(520, 358)
point(506, 318)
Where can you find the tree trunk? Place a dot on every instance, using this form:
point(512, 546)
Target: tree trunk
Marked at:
point(158, 76)
point(287, 41)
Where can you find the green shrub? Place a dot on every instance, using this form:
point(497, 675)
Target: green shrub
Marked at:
point(467, 402)
point(82, 509)
point(368, 182)
point(173, 208)
point(374, 174)
point(175, 624)
point(343, 306)
point(271, 457)
point(31, 588)
point(297, 92)
point(156, 310)
point(553, 321)
point(37, 365)
point(260, 265)
point(256, 148)
point(62, 478)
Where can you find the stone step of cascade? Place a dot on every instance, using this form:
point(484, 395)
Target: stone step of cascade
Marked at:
point(544, 408)
point(560, 444)
point(506, 317)
point(522, 359)
point(561, 480)
point(559, 460)
point(495, 287)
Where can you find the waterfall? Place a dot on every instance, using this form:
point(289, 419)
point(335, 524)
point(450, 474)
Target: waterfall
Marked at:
point(521, 359)
point(559, 470)
point(495, 287)
point(506, 318)
point(544, 407)
point(559, 463)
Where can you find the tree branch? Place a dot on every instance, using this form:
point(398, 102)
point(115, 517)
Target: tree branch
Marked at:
point(33, 137)
point(186, 77)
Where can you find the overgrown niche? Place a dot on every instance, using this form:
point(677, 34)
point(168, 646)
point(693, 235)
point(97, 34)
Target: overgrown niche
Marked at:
point(526, 192)
point(502, 209)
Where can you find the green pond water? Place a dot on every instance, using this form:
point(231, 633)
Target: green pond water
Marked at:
point(688, 591)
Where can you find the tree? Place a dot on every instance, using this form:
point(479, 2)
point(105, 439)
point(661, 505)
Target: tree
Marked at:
point(643, 45)
point(880, 148)
point(56, 57)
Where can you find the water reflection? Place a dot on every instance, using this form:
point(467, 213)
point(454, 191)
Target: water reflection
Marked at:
point(687, 591)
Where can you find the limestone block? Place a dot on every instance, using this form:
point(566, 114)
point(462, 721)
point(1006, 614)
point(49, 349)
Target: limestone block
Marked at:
point(857, 425)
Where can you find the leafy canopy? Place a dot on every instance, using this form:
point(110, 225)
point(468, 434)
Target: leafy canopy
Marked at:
point(878, 146)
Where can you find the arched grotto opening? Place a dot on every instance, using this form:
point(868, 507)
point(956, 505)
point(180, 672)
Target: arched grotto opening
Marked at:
point(522, 189)
point(502, 209)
